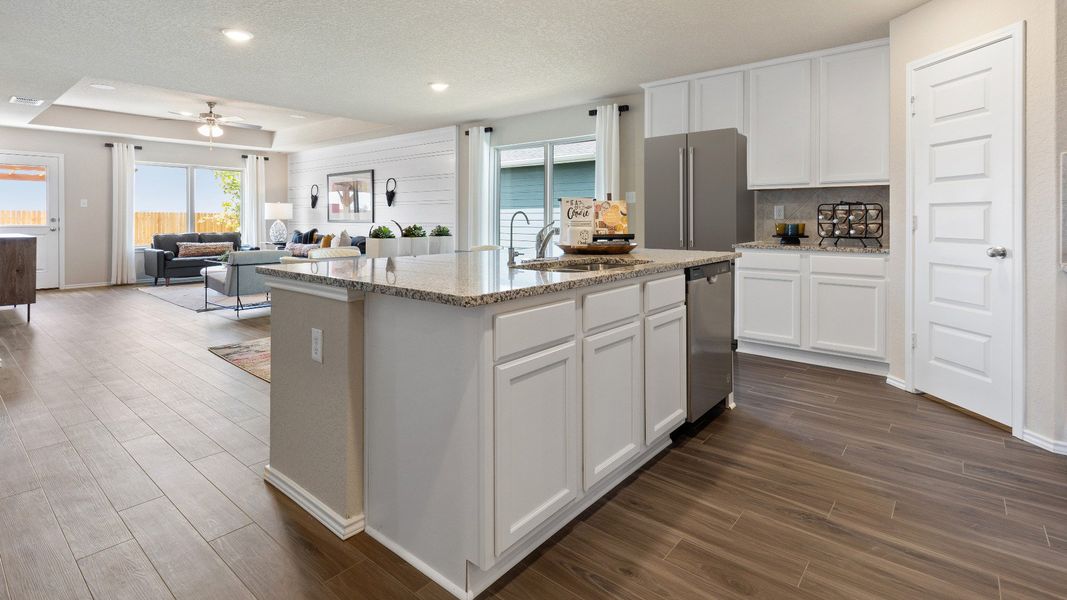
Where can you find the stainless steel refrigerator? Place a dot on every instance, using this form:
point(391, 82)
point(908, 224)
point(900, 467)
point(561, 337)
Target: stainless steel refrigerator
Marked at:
point(696, 191)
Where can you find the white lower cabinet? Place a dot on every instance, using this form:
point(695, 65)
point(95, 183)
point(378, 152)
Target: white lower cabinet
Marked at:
point(767, 307)
point(847, 315)
point(612, 400)
point(536, 452)
point(665, 372)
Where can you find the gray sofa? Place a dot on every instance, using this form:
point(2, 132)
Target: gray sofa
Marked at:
point(238, 277)
point(161, 261)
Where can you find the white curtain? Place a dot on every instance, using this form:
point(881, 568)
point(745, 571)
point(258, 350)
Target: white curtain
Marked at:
point(123, 168)
point(607, 152)
point(479, 200)
point(255, 195)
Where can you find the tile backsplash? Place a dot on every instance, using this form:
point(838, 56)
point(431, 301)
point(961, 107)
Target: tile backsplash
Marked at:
point(801, 206)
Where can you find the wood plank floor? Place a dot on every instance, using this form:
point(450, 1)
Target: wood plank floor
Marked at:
point(130, 460)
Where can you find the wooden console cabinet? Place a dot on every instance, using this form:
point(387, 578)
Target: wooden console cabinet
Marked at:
point(18, 270)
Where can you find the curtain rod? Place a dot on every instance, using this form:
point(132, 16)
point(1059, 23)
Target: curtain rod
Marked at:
point(263, 157)
point(487, 129)
point(622, 108)
point(110, 145)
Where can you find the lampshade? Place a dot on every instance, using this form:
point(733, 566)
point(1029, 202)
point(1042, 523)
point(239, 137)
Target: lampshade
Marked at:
point(278, 210)
point(207, 130)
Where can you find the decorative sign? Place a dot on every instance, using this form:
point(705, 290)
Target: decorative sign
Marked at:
point(612, 217)
point(577, 217)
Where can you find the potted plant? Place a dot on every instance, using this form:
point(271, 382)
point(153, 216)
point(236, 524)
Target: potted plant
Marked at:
point(404, 243)
point(441, 241)
point(417, 241)
point(381, 242)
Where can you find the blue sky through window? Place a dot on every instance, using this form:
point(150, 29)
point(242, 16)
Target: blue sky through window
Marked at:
point(161, 188)
point(23, 195)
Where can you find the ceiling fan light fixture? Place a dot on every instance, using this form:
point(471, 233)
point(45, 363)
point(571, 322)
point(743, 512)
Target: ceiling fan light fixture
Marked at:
point(209, 130)
point(237, 35)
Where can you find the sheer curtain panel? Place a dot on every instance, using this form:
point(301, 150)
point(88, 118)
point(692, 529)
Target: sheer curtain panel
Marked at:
point(123, 169)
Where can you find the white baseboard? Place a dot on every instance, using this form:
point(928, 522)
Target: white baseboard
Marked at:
point(414, 561)
point(78, 286)
point(846, 363)
point(342, 527)
point(899, 384)
point(1046, 443)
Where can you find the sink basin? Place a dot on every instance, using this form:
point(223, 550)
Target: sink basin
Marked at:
point(583, 267)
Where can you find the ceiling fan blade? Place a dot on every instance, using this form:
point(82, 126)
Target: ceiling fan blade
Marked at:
point(243, 125)
point(221, 119)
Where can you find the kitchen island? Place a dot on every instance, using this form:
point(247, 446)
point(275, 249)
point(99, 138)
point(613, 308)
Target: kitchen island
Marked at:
point(461, 410)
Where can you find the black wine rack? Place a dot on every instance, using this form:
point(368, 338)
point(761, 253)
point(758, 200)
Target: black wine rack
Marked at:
point(861, 221)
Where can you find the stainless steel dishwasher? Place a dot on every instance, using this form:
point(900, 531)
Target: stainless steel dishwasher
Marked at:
point(709, 298)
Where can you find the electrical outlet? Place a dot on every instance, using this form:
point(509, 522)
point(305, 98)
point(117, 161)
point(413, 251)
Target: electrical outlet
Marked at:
point(84, 203)
point(779, 211)
point(316, 345)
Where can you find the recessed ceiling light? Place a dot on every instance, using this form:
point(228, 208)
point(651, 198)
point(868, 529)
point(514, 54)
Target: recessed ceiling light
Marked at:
point(438, 87)
point(298, 116)
point(237, 35)
point(102, 86)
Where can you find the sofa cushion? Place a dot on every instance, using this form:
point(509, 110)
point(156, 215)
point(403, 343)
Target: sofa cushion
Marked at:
point(309, 237)
point(188, 249)
point(344, 239)
point(169, 241)
point(189, 262)
point(233, 238)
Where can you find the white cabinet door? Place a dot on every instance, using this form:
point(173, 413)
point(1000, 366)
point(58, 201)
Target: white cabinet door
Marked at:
point(667, 109)
point(780, 125)
point(718, 102)
point(854, 116)
point(665, 372)
point(767, 307)
point(612, 400)
point(536, 443)
point(848, 315)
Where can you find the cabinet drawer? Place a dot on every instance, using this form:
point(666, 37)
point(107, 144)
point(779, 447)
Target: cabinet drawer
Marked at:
point(531, 328)
point(772, 261)
point(662, 293)
point(611, 306)
point(865, 266)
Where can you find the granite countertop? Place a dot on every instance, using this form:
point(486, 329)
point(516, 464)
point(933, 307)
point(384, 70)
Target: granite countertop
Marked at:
point(808, 247)
point(480, 278)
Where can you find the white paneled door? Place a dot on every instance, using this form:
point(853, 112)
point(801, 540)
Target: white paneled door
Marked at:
point(30, 191)
point(964, 175)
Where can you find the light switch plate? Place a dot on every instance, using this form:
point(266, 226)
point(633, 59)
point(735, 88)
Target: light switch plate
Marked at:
point(316, 345)
point(779, 211)
point(84, 202)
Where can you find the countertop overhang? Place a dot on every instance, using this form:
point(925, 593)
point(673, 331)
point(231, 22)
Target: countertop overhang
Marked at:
point(479, 278)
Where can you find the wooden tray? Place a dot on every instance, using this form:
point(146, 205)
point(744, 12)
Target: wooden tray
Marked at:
point(598, 248)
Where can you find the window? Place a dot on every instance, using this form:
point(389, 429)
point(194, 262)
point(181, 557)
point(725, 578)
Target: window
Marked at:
point(23, 195)
point(522, 181)
point(178, 198)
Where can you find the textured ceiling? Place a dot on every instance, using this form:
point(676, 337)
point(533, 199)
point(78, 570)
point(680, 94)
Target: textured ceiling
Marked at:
point(372, 60)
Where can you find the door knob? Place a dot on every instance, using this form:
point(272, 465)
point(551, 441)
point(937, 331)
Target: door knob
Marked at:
point(52, 228)
point(997, 252)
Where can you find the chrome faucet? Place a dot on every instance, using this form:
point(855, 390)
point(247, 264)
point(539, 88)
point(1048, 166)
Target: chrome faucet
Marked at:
point(544, 237)
point(512, 253)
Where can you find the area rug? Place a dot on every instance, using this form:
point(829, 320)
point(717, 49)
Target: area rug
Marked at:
point(191, 296)
point(253, 356)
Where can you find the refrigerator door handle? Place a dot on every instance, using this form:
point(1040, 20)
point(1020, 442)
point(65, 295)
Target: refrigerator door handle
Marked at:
point(681, 197)
point(691, 219)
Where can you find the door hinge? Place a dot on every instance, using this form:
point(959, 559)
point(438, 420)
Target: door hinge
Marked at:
point(914, 340)
point(912, 102)
point(915, 223)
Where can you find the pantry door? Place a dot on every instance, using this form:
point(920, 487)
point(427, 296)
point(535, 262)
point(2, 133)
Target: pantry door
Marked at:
point(966, 143)
point(31, 188)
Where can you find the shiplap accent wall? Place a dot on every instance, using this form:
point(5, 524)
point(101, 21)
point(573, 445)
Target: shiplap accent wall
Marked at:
point(423, 164)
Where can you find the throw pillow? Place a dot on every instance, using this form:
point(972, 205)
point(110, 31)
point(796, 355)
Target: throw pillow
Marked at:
point(187, 249)
point(344, 239)
point(326, 241)
point(297, 236)
point(309, 237)
point(300, 249)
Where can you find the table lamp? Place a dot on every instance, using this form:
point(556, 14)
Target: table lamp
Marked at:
point(279, 211)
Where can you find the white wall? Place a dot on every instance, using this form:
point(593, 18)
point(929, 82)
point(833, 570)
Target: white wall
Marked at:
point(941, 24)
point(572, 122)
point(423, 163)
point(87, 174)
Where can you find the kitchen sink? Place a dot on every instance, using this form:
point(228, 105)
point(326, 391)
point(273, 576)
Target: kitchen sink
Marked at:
point(576, 267)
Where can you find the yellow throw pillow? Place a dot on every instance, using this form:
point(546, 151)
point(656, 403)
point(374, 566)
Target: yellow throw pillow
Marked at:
point(326, 240)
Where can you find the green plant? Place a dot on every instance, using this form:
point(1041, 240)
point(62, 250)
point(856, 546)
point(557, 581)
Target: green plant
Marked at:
point(440, 231)
point(230, 182)
point(382, 232)
point(414, 231)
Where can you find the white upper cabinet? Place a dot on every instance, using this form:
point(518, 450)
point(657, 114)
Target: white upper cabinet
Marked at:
point(718, 102)
point(667, 109)
point(854, 116)
point(812, 120)
point(780, 125)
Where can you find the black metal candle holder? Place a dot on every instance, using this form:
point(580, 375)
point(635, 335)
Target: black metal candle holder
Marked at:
point(861, 221)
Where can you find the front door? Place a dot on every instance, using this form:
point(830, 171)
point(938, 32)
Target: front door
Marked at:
point(964, 173)
point(30, 187)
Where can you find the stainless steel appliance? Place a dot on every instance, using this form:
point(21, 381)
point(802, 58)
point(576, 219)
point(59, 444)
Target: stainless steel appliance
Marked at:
point(709, 298)
point(696, 191)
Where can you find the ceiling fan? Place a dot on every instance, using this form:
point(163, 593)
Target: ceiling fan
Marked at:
point(212, 122)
